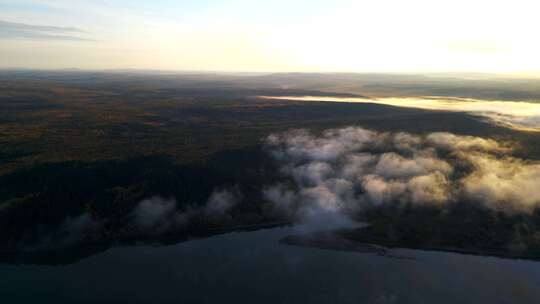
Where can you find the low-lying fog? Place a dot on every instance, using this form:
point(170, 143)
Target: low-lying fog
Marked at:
point(332, 176)
point(514, 114)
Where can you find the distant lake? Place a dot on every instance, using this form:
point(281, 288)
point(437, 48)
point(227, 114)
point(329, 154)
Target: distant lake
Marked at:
point(519, 115)
point(252, 267)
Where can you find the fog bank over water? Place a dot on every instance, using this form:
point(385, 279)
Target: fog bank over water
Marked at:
point(517, 115)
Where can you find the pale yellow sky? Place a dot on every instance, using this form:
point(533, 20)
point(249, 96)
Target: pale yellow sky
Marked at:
point(343, 35)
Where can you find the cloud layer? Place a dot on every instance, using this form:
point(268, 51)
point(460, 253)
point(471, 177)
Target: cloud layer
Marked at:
point(343, 171)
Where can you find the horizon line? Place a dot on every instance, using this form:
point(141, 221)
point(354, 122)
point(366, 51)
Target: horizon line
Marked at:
point(530, 74)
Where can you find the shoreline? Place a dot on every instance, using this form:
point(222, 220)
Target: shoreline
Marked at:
point(334, 241)
point(73, 253)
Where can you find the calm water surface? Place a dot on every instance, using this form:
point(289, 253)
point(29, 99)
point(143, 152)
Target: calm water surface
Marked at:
point(252, 267)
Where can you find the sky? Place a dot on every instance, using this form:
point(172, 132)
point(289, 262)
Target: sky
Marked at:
point(273, 36)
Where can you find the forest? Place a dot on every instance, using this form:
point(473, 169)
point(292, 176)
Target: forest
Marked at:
point(80, 152)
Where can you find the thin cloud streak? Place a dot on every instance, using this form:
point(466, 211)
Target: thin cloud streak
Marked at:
point(13, 30)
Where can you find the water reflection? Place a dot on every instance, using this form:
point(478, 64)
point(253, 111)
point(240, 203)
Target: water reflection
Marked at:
point(254, 267)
